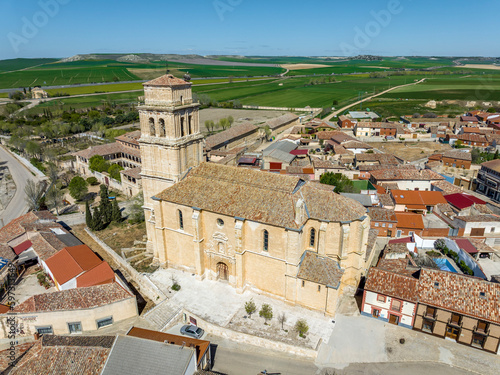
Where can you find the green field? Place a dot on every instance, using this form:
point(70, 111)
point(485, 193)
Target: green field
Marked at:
point(16, 64)
point(485, 87)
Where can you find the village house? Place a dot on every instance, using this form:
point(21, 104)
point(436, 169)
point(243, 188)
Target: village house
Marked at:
point(409, 224)
point(346, 123)
point(282, 123)
point(457, 159)
point(488, 179)
point(383, 220)
point(417, 201)
point(278, 156)
point(236, 136)
point(71, 311)
point(375, 129)
point(405, 178)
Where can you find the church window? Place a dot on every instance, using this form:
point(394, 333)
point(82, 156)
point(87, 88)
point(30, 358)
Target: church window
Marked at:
point(220, 223)
point(181, 221)
point(182, 126)
point(266, 241)
point(190, 131)
point(162, 127)
point(312, 237)
point(152, 132)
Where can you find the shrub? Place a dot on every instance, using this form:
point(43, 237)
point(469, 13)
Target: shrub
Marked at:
point(92, 181)
point(175, 284)
point(250, 307)
point(301, 327)
point(266, 312)
point(433, 254)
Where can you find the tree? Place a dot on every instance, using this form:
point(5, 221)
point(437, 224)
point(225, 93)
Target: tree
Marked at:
point(301, 327)
point(52, 172)
point(78, 187)
point(341, 182)
point(476, 156)
point(496, 155)
point(250, 307)
point(33, 149)
point(224, 123)
point(97, 221)
point(54, 198)
point(116, 214)
point(98, 163)
point(136, 210)
point(491, 110)
point(34, 193)
point(282, 319)
point(88, 215)
point(231, 120)
point(266, 312)
point(209, 124)
point(114, 171)
point(92, 181)
point(105, 208)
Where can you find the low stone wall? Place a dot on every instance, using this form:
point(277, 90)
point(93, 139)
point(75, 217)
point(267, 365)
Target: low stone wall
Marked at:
point(249, 339)
point(146, 286)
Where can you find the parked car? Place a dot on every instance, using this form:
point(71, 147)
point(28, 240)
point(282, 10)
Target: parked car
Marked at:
point(193, 331)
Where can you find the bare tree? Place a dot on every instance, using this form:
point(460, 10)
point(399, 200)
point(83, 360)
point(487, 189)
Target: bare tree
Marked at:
point(54, 198)
point(34, 193)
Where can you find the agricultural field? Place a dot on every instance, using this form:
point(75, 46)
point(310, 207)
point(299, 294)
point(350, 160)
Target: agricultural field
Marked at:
point(484, 87)
point(395, 108)
point(66, 76)
point(17, 64)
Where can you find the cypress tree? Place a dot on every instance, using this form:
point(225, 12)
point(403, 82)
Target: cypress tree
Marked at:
point(105, 208)
point(88, 216)
point(97, 222)
point(116, 213)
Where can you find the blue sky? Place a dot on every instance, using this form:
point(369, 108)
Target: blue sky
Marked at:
point(61, 28)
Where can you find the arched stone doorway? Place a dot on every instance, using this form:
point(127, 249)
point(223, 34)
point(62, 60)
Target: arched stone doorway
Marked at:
point(222, 271)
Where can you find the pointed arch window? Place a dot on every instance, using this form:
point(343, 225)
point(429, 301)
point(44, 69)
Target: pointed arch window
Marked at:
point(312, 237)
point(152, 131)
point(265, 245)
point(182, 126)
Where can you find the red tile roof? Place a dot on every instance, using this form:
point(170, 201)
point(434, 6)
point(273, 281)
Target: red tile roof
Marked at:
point(22, 247)
point(410, 221)
point(406, 174)
point(167, 80)
point(392, 284)
point(100, 274)
point(74, 299)
point(17, 226)
point(71, 262)
point(461, 200)
point(299, 152)
point(401, 240)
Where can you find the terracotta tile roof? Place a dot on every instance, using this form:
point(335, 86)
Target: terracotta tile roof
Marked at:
point(381, 214)
point(6, 252)
point(100, 274)
point(392, 284)
point(419, 197)
point(74, 299)
point(108, 149)
point(377, 125)
point(402, 266)
point(406, 174)
point(133, 172)
point(454, 154)
point(340, 150)
point(461, 294)
point(282, 120)
point(46, 245)
point(17, 226)
point(446, 187)
point(410, 221)
point(132, 137)
point(356, 144)
point(71, 262)
point(220, 139)
point(479, 218)
point(472, 138)
point(492, 164)
point(386, 200)
point(340, 137)
point(380, 158)
point(481, 246)
point(200, 345)
point(324, 164)
point(258, 196)
point(445, 208)
point(482, 209)
point(320, 270)
point(167, 80)
point(65, 355)
point(462, 200)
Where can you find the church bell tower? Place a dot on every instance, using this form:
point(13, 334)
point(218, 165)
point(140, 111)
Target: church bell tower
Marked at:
point(170, 142)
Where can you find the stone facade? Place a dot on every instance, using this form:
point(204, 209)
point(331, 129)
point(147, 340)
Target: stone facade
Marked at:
point(171, 141)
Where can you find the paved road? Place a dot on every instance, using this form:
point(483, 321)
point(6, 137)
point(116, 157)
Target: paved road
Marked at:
point(20, 175)
point(335, 113)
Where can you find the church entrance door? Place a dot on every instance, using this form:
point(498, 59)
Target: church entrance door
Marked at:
point(222, 271)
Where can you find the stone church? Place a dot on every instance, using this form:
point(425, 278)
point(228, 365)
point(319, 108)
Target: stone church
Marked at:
point(292, 239)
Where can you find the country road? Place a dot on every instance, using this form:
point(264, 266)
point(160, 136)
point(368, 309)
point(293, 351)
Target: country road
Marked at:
point(335, 113)
point(20, 175)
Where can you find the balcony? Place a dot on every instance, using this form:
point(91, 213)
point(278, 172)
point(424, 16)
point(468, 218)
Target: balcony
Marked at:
point(455, 322)
point(483, 331)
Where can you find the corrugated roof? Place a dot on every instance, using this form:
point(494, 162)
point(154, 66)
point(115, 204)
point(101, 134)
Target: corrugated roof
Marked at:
point(461, 200)
point(22, 247)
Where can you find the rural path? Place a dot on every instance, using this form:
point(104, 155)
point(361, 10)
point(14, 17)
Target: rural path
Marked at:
point(335, 114)
point(20, 174)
